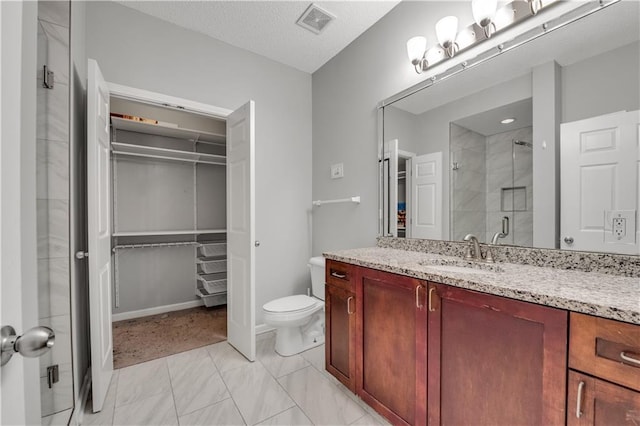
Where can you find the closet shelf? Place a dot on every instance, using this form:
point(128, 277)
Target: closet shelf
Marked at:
point(166, 154)
point(184, 232)
point(168, 131)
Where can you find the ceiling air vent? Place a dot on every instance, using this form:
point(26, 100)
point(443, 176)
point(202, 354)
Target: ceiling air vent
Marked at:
point(315, 19)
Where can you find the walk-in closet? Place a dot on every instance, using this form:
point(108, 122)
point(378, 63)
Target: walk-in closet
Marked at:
point(168, 174)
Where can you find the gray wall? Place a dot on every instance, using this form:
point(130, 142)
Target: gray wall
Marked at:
point(346, 91)
point(140, 51)
point(595, 87)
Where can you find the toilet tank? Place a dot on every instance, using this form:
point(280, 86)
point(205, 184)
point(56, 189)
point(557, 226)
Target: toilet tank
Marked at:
point(316, 266)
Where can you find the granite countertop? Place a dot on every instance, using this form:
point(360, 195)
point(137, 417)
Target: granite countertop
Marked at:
point(603, 295)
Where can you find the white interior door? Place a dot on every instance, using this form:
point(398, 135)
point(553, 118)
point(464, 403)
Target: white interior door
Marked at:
point(99, 233)
point(19, 378)
point(241, 230)
point(599, 180)
point(426, 192)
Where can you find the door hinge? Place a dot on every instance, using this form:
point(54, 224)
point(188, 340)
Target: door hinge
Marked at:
point(53, 375)
point(47, 78)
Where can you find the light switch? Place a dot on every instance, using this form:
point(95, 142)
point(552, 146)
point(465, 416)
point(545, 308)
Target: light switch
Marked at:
point(337, 171)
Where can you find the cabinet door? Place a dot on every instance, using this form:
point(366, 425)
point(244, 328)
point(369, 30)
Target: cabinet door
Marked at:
point(392, 327)
point(340, 322)
point(596, 402)
point(494, 361)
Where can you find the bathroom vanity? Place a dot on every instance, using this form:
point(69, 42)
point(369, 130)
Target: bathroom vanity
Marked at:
point(431, 339)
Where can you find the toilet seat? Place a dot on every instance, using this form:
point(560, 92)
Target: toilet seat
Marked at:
point(291, 304)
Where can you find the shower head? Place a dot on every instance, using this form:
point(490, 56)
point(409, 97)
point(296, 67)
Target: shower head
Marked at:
point(523, 143)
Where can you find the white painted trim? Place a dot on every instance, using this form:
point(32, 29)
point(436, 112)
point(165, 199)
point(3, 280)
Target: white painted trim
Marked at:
point(121, 91)
point(156, 310)
point(81, 402)
point(263, 328)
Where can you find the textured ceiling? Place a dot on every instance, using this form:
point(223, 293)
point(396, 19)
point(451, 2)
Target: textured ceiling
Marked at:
point(269, 28)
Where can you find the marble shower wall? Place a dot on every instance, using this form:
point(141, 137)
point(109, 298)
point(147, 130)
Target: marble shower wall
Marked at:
point(509, 190)
point(468, 183)
point(52, 177)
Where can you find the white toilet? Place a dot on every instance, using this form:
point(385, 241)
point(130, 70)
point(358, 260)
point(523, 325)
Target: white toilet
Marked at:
point(299, 319)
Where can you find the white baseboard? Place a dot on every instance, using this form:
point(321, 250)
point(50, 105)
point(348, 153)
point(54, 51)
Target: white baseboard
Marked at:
point(81, 401)
point(263, 328)
point(156, 310)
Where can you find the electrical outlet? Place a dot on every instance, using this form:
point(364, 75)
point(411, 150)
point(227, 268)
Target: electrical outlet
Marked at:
point(620, 227)
point(337, 171)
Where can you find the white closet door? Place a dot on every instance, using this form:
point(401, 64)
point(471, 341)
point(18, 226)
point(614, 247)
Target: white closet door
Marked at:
point(99, 233)
point(241, 230)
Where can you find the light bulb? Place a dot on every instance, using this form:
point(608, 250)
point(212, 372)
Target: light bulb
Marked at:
point(446, 31)
point(415, 48)
point(484, 11)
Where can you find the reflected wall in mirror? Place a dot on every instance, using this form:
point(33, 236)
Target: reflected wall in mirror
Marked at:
point(563, 174)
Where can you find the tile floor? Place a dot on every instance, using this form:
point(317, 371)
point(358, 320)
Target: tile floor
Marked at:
point(215, 385)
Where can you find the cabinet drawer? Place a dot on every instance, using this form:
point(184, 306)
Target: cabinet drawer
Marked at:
point(340, 274)
point(606, 349)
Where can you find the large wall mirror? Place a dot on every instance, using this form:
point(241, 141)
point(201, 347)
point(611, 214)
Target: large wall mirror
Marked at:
point(536, 147)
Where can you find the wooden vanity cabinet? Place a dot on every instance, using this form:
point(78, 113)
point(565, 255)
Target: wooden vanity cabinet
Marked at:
point(494, 360)
point(604, 375)
point(391, 345)
point(340, 322)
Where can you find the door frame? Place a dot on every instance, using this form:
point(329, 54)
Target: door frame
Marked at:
point(141, 95)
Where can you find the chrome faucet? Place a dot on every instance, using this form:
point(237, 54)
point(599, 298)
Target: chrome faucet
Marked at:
point(473, 248)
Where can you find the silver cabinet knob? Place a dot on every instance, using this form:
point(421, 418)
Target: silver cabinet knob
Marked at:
point(257, 243)
point(33, 343)
point(81, 255)
point(568, 240)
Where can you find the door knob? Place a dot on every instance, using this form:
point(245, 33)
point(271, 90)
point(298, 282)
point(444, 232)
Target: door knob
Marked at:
point(33, 343)
point(568, 240)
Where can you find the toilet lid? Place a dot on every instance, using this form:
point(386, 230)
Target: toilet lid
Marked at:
point(290, 303)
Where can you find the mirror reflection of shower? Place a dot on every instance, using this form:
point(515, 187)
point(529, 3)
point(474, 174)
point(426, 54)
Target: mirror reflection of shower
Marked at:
point(491, 175)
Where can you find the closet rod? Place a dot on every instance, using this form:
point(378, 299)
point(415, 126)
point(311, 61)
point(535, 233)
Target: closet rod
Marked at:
point(132, 246)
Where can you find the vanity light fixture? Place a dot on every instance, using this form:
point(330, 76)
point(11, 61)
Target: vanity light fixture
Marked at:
point(446, 31)
point(508, 120)
point(488, 20)
point(484, 11)
point(416, 49)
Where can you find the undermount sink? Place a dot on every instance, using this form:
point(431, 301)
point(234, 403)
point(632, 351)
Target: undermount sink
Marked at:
point(462, 266)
